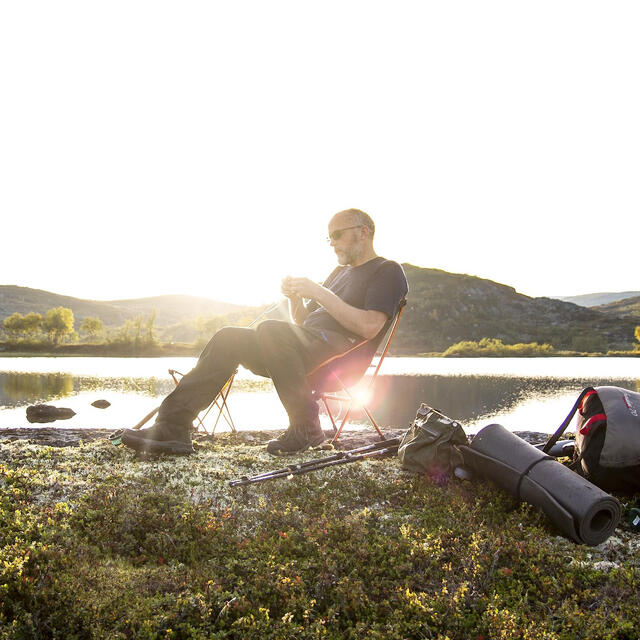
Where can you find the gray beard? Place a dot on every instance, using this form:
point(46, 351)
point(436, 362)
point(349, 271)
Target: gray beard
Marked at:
point(346, 258)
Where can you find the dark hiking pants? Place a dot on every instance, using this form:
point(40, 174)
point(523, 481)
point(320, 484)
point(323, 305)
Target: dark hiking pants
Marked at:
point(275, 349)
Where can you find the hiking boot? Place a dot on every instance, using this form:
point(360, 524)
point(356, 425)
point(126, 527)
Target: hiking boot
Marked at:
point(162, 437)
point(295, 439)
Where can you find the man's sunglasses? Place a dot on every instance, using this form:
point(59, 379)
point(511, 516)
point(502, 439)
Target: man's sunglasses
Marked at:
point(334, 236)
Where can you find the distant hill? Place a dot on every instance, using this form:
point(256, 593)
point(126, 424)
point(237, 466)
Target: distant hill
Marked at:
point(629, 307)
point(598, 299)
point(444, 308)
point(170, 309)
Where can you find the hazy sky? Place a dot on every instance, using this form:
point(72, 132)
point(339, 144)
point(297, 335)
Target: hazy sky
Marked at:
point(200, 147)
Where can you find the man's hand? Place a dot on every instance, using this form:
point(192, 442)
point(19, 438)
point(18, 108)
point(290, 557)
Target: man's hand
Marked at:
point(302, 287)
point(297, 310)
point(286, 288)
point(365, 323)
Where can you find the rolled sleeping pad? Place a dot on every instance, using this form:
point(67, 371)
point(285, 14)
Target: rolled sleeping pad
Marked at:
point(578, 508)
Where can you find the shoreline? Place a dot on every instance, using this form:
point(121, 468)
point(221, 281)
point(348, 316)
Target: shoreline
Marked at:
point(56, 436)
point(164, 351)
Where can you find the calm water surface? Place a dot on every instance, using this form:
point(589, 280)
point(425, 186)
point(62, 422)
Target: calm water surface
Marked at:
point(519, 393)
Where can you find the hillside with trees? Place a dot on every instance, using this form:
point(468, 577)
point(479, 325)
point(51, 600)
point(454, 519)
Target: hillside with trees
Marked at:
point(168, 309)
point(443, 310)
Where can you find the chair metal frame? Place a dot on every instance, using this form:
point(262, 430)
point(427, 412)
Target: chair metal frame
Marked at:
point(343, 395)
point(219, 401)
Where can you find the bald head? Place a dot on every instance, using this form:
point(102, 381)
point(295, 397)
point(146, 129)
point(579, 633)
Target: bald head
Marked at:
point(351, 236)
point(354, 217)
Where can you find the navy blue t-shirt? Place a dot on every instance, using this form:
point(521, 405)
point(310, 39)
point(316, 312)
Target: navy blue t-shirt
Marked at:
point(378, 285)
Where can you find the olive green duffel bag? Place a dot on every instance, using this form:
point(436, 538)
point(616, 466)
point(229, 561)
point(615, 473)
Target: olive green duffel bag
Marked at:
point(430, 444)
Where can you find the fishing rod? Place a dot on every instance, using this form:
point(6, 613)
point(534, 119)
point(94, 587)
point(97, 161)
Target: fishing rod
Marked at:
point(342, 457)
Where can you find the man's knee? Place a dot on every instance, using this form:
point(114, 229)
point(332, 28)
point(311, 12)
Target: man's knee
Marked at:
point(272, 327)
point(229, 339)
point(227, 334)
point(274, 335)
point(271, 331)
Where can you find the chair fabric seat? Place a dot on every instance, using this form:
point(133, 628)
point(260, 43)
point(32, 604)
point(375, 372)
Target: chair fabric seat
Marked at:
point(345, 370)
point(342, 372)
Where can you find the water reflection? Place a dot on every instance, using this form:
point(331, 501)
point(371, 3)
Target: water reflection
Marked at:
point(476, 399)
point(254, 400)
point(21, 388)
point(18, 389)
point(531, 394)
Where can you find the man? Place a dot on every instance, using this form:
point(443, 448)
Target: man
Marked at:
point(352, 305)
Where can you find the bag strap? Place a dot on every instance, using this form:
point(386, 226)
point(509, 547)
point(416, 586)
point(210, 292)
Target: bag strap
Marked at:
point(560, 430)
point(575, 464)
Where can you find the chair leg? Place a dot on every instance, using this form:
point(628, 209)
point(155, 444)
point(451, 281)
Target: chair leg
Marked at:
point(220, 401)
point(348, 414)
point(344, 421)
point(373, 422)
point(352, 403)
point(333, 422)
point(223, 395)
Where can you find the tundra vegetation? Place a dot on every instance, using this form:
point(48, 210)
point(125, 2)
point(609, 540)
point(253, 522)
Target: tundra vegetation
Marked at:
point(96, 543)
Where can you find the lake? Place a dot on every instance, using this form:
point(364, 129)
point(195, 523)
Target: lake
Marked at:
point(532, 394)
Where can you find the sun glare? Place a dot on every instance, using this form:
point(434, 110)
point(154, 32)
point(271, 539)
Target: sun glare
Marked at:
point(362, 396)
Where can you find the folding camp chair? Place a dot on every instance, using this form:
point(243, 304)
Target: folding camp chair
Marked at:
point(330, 380)
point(220, 401)
point(333, 379)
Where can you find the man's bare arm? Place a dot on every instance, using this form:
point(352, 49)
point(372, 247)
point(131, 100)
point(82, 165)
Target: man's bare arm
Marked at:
point(297, 310)
point(362, 322)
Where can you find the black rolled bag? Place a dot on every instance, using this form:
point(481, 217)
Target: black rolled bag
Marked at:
point(607, 437)
point(577, 507)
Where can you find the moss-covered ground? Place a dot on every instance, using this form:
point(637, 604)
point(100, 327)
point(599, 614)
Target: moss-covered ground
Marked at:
point(96, 543)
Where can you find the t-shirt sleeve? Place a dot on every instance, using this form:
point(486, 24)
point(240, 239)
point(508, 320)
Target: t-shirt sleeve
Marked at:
point(312, 305)
point(386, 289)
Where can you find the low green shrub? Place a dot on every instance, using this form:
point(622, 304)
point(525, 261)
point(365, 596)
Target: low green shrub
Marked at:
point(96, 543)
point(491, 347)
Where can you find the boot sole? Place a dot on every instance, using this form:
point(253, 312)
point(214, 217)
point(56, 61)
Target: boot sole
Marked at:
point(285, 452)
point(143, 445)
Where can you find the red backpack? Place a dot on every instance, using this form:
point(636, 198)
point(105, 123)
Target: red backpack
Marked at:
point(607, 451)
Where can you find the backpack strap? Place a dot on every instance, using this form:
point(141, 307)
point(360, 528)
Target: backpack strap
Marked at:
point(575, 463)
point(560, 430)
